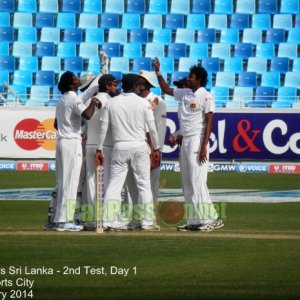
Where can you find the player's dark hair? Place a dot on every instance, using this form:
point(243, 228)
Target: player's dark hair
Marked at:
point(65, 82)
point(200, 73)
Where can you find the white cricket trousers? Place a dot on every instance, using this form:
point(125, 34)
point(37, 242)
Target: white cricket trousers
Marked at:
point(199, 208)
point(68, 165)
point(88, 205)
point(138, 159)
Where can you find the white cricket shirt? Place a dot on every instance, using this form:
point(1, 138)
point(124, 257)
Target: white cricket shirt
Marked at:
point(192, 109)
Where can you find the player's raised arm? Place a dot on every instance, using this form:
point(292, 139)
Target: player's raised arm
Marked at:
point(162, 83)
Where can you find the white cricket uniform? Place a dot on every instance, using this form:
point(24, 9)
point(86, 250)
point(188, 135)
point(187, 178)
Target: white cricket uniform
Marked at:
point(68, 154)
point(128, 115)
point(93, 125)
point(191, 112)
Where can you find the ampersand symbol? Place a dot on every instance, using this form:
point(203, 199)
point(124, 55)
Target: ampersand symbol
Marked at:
point(243, 127)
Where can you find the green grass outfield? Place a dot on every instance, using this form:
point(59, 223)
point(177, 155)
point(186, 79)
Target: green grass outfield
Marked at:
point(255, 256)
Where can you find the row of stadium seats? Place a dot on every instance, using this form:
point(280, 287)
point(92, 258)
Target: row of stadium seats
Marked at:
point(152, 6)
point(149, 21)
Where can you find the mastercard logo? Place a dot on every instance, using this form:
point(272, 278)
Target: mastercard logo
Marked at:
point(31, 134)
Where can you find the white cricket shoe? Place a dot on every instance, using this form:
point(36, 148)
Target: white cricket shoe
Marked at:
point(212, 225)
point(69, 226)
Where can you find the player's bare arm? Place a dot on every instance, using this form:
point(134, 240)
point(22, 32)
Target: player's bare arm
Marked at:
point(89, 111)
point(203, 151)
point(162, 83)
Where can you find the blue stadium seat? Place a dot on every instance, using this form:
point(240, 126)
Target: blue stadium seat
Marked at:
point(296, 64)
point(199, 50)
point(87, 20)
point(167, 64)
point(287, 94)
point(252, 35)
point(45, 49)
point(87, 50)
point(66, 49)
point(45, 78)
point(180, 7)
point(152, 21)
point(132, 50)
point(244, 50)
point(94, 65)
point(261, 21)
point(21, 77)
point(73, 35)
point(195, 21)
point(279, 64)
point(27, 6)
point(94, 35)
point(119, 64)
point(142, 63)
point(73, 64)
point(27, 34)
point(185, 63)
point(22, 20)
point(92, 6)
point(284, 21)
point(22, 49)
point(275, 36)
point(233, 64)
point(4, 19)
point(288, 50)
point(266, 94)
point(289, 6)
point(44, 20)
point(281, 104)
point(20, 91)
point(174, 21)
point(230, 36)
point(177, 50)
point(117, 74)
point(297, 20)
point(139, 35)
point(4, 76)
point(109, 21)
point(185, 35)
point(266, 50)
point(115, 6)
point(49, 34)
point(292, 79)
point(294, 35)
point(270, 79)
point(179, 75)
point(257, 64)
point(267, 6)
point(225, 79)
point(258, 104)
point(71, 6)
point(112, 49)
point(28, 63)
point(136, 6)
point(217, 21)
point(66, 20)
point(4, 48)
point(158, 7)
point(117, 35)
point(8, 6)
point(51, 63)
point(223, 7)
point(6, 34)
point(155, 50)
point(162, 35)
point(240, 21)
point(206, 35)
point(39, 93)
point(201, 7)
point(220, 50)
point(50, 6)
point(211, 64)
point(220, 94)
point(245, 7)
point(242, 94)
point(130, 21)
point(248, 79)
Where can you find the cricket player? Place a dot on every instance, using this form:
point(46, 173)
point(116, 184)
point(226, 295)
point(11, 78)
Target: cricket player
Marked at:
point(196, 111)
point(69, 112)
point(128, 115)
point(108, 88)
